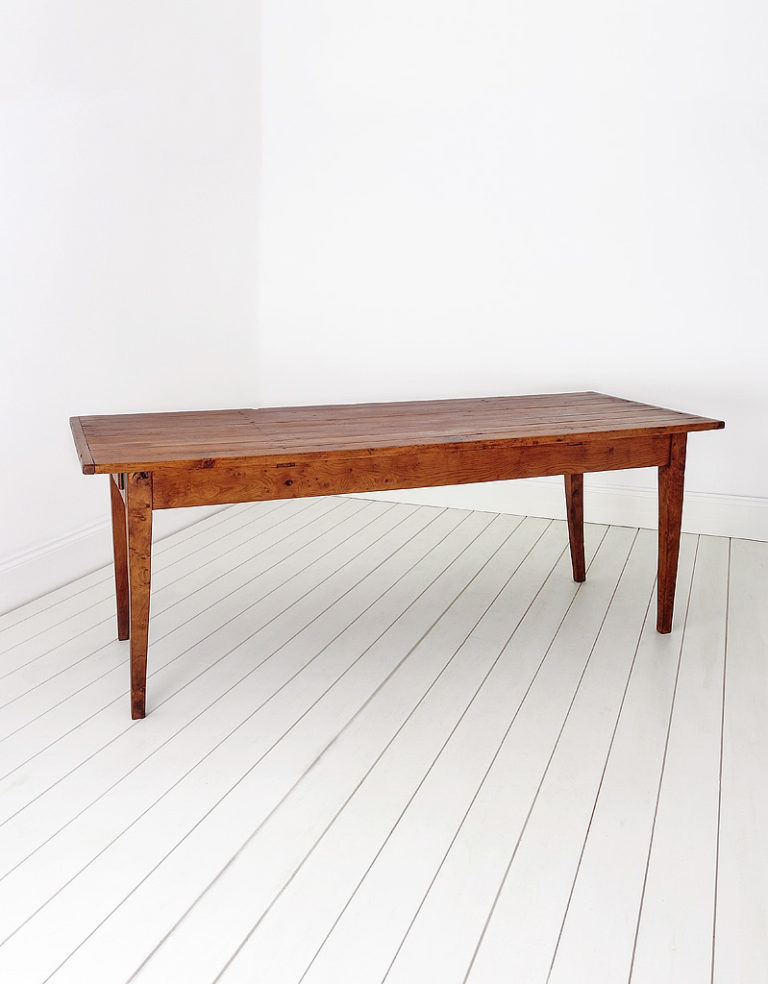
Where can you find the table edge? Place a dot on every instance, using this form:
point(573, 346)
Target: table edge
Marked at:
point(203, 461)
point(82, 446)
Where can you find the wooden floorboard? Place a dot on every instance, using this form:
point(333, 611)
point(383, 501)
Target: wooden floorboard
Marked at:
point(741, 900)
point(528, 907)
point(391, 743)
point(598, 923)
point(384, 755)
point(674, 930)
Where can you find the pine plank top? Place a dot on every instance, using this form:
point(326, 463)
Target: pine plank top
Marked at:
point(149, 441)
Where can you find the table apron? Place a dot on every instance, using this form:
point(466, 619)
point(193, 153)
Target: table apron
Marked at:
point(334, 473)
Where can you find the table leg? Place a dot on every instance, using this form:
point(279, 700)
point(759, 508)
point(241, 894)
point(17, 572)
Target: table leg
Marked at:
point(671, 480)
point(139, 508)
point(120, 553)
point(574, 504)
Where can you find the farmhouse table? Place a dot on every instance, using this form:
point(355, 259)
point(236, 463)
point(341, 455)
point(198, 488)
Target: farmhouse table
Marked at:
point(207, 457)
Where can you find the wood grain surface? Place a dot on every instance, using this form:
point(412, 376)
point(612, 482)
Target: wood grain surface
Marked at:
point(148, 441)
point(293, 476)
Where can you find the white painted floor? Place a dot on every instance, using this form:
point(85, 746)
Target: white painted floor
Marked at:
point(391, 743)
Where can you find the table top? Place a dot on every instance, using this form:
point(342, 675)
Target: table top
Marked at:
point(148, 441)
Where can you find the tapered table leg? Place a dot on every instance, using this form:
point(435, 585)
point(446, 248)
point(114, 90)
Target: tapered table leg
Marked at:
point(120, 553)
point(574, 504)
point(139, 509)
point(671, 480)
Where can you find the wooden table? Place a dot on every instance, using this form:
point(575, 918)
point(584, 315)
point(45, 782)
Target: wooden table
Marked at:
point(164, 460)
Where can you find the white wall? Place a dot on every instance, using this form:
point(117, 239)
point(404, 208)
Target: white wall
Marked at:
point(128, 200)
point(498, 197)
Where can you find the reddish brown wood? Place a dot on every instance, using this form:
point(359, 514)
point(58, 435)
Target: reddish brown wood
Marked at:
point(574, 504)
point(671, 482)
point(148, 442)
point(192, 458)
point(120, 553)
point(81, 446)
point(294, 476)
point(139, 510)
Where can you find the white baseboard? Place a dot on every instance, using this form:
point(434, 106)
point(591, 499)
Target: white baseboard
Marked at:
point(28, 574)
point(718, 515)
